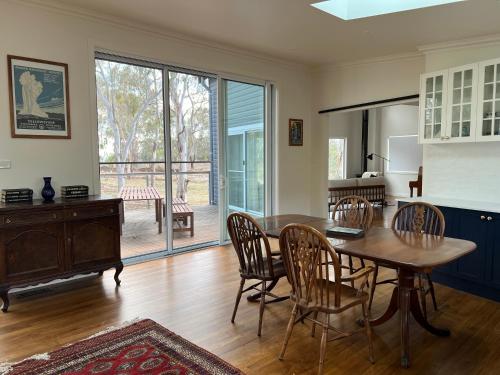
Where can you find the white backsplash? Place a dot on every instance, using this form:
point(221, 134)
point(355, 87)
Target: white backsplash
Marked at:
point(463, 171)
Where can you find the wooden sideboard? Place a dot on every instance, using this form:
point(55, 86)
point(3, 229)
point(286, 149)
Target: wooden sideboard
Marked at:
point(41, 242)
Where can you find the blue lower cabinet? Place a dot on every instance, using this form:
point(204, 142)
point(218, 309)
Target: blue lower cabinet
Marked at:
point(493, 260)
point(479, 272)
point(471, 226)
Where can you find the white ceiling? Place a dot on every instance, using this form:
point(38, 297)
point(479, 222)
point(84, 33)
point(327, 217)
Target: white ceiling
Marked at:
point(293, 30)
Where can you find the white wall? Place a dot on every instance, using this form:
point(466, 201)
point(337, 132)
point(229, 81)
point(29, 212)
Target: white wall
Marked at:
point(367, 81)
point(348, 125)
point(60, 36)
point(397, 120)
point(468, 170)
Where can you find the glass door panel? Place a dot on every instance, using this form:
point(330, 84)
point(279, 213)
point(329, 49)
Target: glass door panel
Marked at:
point(236, 172)
point(462, 101)
point(433, 104)
point(130, 114)
point(255, 177)
point(194, 150)
point(489, 101)
point(244, 126)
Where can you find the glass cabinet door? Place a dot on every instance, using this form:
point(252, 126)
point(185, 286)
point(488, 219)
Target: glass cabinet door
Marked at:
point(462, 92)
point(489, 101)
point(432, 106)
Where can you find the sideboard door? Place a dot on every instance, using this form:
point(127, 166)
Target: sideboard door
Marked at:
point(32, 253)
point(472, 226)
point(93, 242)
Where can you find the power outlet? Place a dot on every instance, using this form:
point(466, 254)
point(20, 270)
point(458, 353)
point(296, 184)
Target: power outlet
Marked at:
point(5, 164)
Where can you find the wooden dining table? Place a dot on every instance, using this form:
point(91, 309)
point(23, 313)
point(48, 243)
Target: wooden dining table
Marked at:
point(406, 252)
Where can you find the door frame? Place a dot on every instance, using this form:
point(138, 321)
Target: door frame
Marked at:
point(270, 129)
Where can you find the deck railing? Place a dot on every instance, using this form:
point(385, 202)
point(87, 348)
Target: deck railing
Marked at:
point(200, 188)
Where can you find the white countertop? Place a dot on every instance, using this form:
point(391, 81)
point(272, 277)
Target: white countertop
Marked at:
point(456, 203)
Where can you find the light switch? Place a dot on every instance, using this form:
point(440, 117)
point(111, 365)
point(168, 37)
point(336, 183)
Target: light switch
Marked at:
point(5, 164)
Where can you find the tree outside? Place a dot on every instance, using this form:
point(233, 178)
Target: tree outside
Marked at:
point(131, 129)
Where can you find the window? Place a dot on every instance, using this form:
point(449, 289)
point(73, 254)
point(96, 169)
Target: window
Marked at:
point(404, 153)
point(337, 158)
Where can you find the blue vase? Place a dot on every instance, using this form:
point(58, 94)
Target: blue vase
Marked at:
point(48, 191)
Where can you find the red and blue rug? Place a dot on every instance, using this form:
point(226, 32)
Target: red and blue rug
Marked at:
point(144, 347)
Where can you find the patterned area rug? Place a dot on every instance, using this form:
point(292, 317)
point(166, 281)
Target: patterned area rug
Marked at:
point(144, 347)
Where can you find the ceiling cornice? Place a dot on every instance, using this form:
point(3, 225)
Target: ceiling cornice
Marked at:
point(66, 9)
point(370, 61)
point(485, 40)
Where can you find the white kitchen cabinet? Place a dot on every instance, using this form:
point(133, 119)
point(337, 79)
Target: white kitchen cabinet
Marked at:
point(460, 125)
point(488, 114)
point(433, 89)
point(461, 104)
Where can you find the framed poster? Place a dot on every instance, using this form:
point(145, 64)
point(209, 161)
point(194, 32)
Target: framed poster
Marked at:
point(39, 98)
point(295, 132)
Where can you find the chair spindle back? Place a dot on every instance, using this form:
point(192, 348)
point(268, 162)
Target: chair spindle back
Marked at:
point(353, 212)
point(250, 243)
point(419, 218)
point(311, 262)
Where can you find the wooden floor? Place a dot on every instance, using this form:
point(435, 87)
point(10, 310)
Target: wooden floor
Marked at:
point(140, 231)
point(193, 295)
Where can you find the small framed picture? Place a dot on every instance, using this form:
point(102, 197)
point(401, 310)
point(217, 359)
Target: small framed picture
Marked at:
point(295, 132)
point(39, 98)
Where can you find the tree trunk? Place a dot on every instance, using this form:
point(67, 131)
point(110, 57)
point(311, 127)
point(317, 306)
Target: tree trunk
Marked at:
point(182, 148)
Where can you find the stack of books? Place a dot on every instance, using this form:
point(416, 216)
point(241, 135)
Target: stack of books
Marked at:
point(75, 191)
point(16, 195)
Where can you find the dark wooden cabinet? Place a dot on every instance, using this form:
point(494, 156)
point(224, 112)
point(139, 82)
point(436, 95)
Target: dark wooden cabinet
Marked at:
point(42, 242)
point(478, 272)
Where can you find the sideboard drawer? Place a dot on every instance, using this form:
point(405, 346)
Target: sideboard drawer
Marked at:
point(32, 217)
point(79, 213)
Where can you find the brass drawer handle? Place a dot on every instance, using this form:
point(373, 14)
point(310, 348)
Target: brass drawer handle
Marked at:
point(483, 217)
point(75, 214)
point(8, 221)
point(489, 218)
point(111, 210)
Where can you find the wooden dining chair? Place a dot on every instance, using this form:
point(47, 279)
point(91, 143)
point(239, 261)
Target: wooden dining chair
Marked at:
point(418, 218)
point(314, 271)
point(353, 212)
point(256, 260)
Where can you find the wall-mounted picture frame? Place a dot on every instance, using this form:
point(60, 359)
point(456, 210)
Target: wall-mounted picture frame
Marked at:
point(295, 132)
point(39, 98)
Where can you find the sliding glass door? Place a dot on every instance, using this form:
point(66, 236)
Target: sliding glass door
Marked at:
point(245, 153)
point(183, 149)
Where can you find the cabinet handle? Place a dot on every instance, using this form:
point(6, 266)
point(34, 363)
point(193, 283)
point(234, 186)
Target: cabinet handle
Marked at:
point(54, 216)
point(111, 210)
point(483, 217)
point(75, 214)
point(489, 218)
point(8, 221)
point(445, 138)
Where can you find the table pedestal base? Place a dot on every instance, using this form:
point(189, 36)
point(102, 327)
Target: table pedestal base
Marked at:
point(405, 299)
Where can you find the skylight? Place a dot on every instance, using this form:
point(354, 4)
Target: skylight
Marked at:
point(353, 9)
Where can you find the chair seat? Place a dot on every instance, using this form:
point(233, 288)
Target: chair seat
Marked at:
point(348, 297)
point(278, 268)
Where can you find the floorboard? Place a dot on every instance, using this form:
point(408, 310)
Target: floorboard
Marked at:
point(193, 295)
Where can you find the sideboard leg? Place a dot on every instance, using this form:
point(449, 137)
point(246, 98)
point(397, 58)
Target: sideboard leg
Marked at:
point(5, 298)
point(119, 269)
